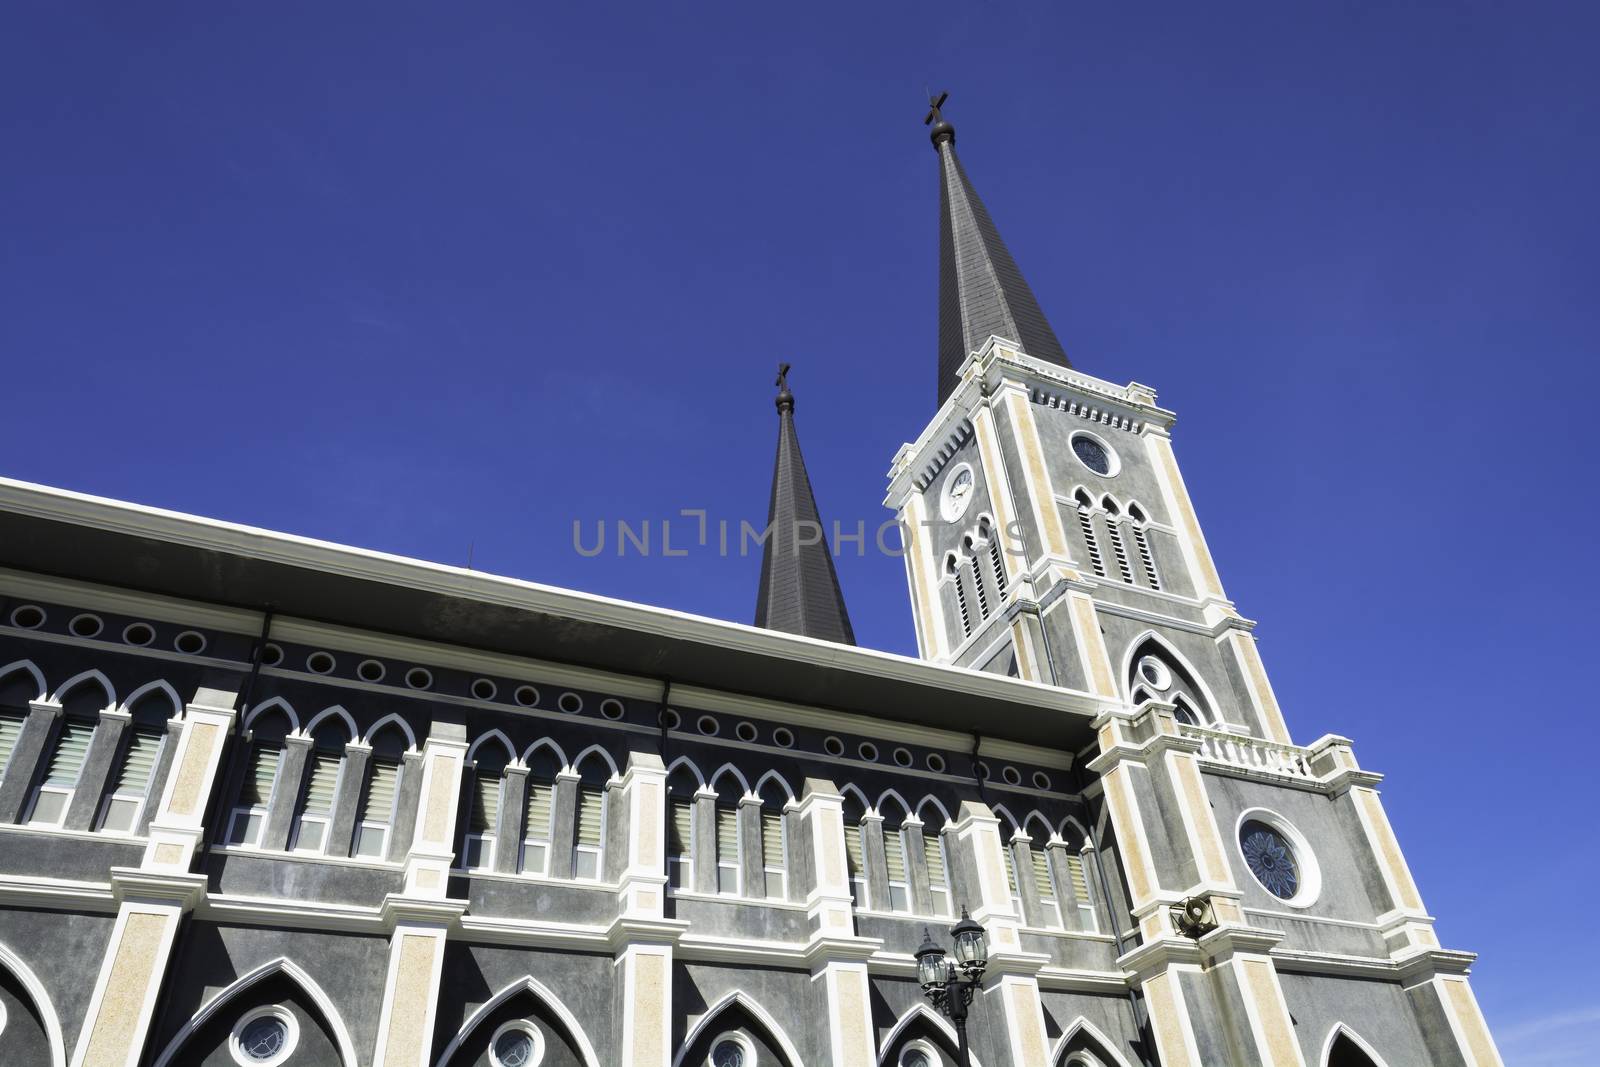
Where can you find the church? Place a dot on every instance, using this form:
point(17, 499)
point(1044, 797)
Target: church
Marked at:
point(268, 801)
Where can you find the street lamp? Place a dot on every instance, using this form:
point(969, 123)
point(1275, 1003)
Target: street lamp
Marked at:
point(951, 984)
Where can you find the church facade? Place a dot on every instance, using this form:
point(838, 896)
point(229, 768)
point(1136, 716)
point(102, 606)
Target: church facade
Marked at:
point(266, 800)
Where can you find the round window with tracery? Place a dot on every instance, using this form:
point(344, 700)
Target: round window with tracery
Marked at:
point(264, 1038)
point(1092, 454)
point(515, 1045)
point(728, 1053)
point(1271, 858)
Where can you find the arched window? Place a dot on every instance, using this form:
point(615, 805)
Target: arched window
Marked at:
point(953, 570)
point(935, 860)
point(894, 856)
point(1086, 526)
point(145, 736)
point(324, 768)
point(1141, 541)
point(1044, 885)
point(729, 873)
point(589, 839)
point(483, 813)
point(375, 817)
point(1008, 849)
point(1114, 531)
point(681, 788)
point(970, 557)
point(1075, 856)
point(854, 856)
point(17, 690)
point(1156, 674)
point(774, 840)
point(539, 812)
point(80, 716)
point(249, 816)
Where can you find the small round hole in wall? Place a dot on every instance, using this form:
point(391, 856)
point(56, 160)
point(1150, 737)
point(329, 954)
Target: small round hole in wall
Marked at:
point(371, 670)
point(1011, 775)
point(419, 678)
point(671, 719)
point(29, 617)
point(86, 625)
point(902, 756)
point(783, 737)
point(139, 633)
point(745, 731)
point(868, 751)
point(190, 643)
point(833, 746)
point(526, 695)
point(271, 656)
point(571, 703)
point(1041, 780)
point(982, 769)
point(611, 708)
point(320, 663)
point(935, 763)
point(484, 689)
point(707, 725)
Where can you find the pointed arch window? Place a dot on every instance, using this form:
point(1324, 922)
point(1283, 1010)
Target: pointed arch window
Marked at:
point(934, 858)
point(725, 821)
point(1114, 532)
point(854, 853)
point(1141, 541)
point(774, 841)
point(589, 837)
point(324, 769)
point(538, 813)
point(54, 794)
point(1086, 526)
point(894, 856)
point(262, 764)
point(483, 812)
point(681, 788)
point(1156, 675)
point(1045, 888)
point(953, 568)
point(375, 817)
point(129, 792)
point(16, 691)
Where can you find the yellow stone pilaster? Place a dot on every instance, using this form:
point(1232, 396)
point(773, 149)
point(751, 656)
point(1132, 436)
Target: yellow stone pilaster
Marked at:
point(1175, 495)
point(922, 572)
point(1242, 646)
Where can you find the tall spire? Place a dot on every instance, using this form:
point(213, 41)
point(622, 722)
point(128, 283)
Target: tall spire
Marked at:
point(799, 589)
point(981, 291)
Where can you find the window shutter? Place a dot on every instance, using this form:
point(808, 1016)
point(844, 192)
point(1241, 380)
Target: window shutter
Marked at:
point(485, 803)
point(1041, 875)
point(852, 850)
point(379, 803)
point(1080, 885)
point(682, 820)
point(894, 854)
point(67, 762)
point(139, 763)
point(933, 855)
point(257, 792)
point(1011, 870)
point(541, 795)
point(590, 803)
point(772, 838)
point(10, 728)
point(321, 782)
point(727, 834)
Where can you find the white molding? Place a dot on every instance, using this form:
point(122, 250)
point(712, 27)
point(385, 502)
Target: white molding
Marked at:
point(913, 1014)
point(41, 1003)
point(283, 965)
point(774, 1031)
point(550, 1000)
point(1083, 1025)
point(1355, 1038)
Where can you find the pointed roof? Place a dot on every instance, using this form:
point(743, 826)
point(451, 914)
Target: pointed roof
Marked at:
point(799, 590)
point(981, 291)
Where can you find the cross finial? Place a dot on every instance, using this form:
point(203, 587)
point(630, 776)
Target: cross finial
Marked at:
point(934, 104)
point(783, 377)
point(785, 398)
point(942, 132)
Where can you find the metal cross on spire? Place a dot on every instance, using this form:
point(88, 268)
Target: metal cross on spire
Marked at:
point(942, 132)
point(934, 104)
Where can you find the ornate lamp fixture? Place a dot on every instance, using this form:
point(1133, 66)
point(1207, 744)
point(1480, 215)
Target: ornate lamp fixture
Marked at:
point(950, 985)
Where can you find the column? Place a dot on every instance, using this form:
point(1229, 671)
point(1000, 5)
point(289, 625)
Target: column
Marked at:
point(1196, 554)
point(346, 801)
point(875, 860)
point(153, 897)
point(420, 915)
point(99, 762)
point(752, 869)
point(563, 823)
point(286, 794)
point(405, 806)
point(37, 729)
point(837, 957)
point(1241, 645)
point(917, 866)
point(513, 810)
point(703, 841)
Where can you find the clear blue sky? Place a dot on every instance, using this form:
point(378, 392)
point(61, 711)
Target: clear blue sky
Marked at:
point(424, 277)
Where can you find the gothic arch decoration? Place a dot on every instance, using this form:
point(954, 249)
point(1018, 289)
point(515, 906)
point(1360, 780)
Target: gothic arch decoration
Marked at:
point(548, 746)
point(686, 764)
point(275, 703)
point(273, 968)
point(25, 666)
point(1083, 1040)
point(11, 962)
point(1187, 683)
point(921, 1021)
point(775, 777)
point(69, 688)
point(387, 721)
point(335, 712)
point(492, 736)
point(729, 770)
point(927, 816)
point(724, 1014)
point(853, 792)
point(1345, 1048)
point(889, 797)
point(149, 689)
point(547, 999)
point(589, 755)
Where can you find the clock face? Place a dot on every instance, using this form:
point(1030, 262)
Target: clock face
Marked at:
point(957, 494)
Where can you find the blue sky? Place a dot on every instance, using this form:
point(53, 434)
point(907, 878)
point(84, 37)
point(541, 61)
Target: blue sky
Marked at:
point(440, 279)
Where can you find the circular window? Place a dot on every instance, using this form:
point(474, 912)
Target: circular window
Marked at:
point(1041, 780)
point(671, 719)
point(982, 770)
point(1011, 775)
point(833, 746)
point(957, 493)
point(516, 1044)
point(935, 763)
point(571, 703)
point(264, 1037)
point(611, 708)
point(1155, 673)
point(783, 737)
point(189, 643)
point(418, 678)
point(1094, 454)
point(731, 1050)
point(1278, 857)
point(85, 625)
point(29, 617)
point(370, 670)
point(484, 689)
point(526, 695)
point(746, 731)
point(319, 663)
point(915, 1057)
point(902, 756)
point(869, 751)
point(139, 633)
point(707, 725)
point(271, 656)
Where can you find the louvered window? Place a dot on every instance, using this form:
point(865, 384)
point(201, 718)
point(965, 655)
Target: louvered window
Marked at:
point(1148, 561)
point(377, 810)
point(10, 730)
point(961, 603)
point(938, 879)
point(773, 858)
point(482, 820)
point(1011, 877)
point(854, 862)
point(1114, 528)
point(127, 797)
point(680, 844)
point(998, 565)
point(978, 585)
point(894, 856)
point(727, 850)
point(590, 832)
point(536, 826)
point(1045, 888)
point(1080, 889)
point(61, 773)
point(255, 795)
point(316, 807)
point(1087, 526)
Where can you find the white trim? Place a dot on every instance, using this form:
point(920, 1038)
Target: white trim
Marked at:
point(913, 1013)
point(267, 705)
point(25, 665)
point(1310, 872)
point(546, 743)
point(774, 775)
point(290, 1024)
point(281, 965)
point(338, 712)
point(699, 779)
point(77, 679)
point(774, 1031)
point(151, 687)
point(551, 1001)
point(405, 727)
point(1355, 1039)
point(578, 760)
point(1125, 681)
point(41, 1000)
point(1115, 467)
point(1084, 1026)
point(738, 775)
point(947, 509)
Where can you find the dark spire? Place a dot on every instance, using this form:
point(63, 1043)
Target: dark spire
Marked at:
point(799, 589)
point(981, 291)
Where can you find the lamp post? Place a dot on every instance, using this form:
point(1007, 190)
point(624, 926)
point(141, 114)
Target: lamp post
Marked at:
point(951, 984)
